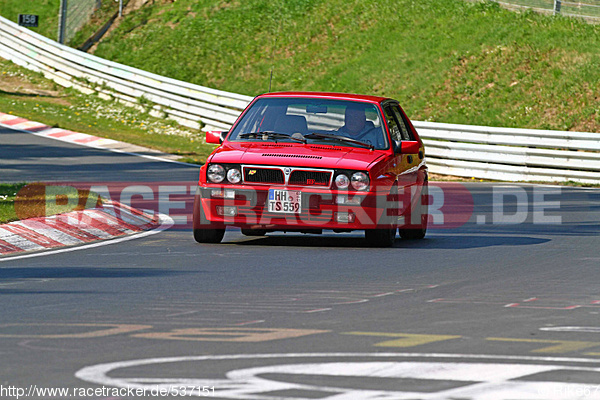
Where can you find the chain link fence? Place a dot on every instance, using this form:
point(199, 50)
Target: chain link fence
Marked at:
point(587, 9)
point(75, 14)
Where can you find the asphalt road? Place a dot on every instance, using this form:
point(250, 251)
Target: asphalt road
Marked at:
point(28, 158)
point(503, 306)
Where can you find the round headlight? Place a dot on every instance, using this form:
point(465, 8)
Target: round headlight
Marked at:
point(215, 173)
point(360, 181)
point(234, 175)
point(342, 181)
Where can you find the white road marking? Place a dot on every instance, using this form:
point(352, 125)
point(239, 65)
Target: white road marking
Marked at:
point(471, 376)
point(592, 329)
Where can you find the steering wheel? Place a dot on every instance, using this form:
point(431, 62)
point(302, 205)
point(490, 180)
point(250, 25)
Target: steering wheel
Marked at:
point(365, 134)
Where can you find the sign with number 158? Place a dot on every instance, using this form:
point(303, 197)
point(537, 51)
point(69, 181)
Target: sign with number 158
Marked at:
point(28, 20)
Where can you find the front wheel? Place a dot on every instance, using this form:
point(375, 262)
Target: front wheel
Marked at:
point(412, 234)
point(384, 237)
point(419, 212)
point(380, 237)
point(209, 235)
point(203, 232)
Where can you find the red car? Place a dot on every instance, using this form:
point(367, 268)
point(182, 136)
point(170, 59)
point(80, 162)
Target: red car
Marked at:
point(308, 162)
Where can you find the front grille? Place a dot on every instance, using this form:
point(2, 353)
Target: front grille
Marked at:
point(309, 178)
point(315, 209)
point(263, 175)
point(263, 217)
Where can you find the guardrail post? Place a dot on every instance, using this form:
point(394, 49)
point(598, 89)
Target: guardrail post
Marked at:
point(556, 7)
point(62, 22)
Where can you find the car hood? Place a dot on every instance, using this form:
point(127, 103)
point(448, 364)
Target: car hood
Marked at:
point(296, 154)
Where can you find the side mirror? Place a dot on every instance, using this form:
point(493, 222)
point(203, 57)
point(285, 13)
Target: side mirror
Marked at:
point(407, 147)
point(215, 137)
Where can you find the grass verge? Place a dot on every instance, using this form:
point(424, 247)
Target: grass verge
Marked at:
point(448, 61)
point(8, 194)
point(29, 95)
point(454, 61)
point(24, 200)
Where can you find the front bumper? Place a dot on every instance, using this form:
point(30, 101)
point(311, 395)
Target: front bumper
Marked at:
point(246, 207)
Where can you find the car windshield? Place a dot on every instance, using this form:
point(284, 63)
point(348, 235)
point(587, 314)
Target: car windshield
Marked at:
point(331, 122)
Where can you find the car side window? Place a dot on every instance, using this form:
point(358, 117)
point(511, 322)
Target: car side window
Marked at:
point(392, 123)
point(405, 132)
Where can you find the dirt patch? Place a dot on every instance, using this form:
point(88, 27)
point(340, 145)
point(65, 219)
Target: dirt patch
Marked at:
point(130, 7)
point(133, 5)
point(18, 87)
point(448, 178)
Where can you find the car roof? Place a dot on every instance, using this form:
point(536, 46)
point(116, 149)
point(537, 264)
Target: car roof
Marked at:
point(327, 95)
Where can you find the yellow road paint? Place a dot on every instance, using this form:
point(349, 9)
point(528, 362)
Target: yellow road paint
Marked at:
point(108, 330)
point(229, 334)
point(406, 339)
point(256, 335)
point(560, 346)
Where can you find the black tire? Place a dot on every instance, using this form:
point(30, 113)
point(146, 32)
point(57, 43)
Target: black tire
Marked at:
point(209, 235)
point(417, 233)
point(380, 237)
point(383, 237)
point(203, 233)
point(412, 234)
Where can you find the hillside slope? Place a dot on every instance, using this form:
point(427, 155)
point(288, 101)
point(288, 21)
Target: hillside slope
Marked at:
point(448, 61)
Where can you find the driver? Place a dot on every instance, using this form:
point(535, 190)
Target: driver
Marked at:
point(357, 127)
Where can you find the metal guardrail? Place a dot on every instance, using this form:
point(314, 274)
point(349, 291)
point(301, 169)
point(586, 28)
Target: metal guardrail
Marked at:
point(511, 154)
point(461, 150)
point(586, 9)
point(191, 105)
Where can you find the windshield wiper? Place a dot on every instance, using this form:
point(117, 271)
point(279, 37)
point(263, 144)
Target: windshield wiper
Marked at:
point(340, 138)
point(274, 135)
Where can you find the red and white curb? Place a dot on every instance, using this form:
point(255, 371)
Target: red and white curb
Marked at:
point(78, 229)
point(83, 139)
point(112, 220)
point(54, 133)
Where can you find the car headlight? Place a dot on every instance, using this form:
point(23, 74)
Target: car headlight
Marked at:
point(360, 181)
point(215, 173)
point(234, 175)
point(342, 181)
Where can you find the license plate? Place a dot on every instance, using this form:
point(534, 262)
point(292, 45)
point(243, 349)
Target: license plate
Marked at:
point(285, 201)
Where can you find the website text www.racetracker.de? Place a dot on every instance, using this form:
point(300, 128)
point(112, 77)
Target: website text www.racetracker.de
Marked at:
point(16, 392)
